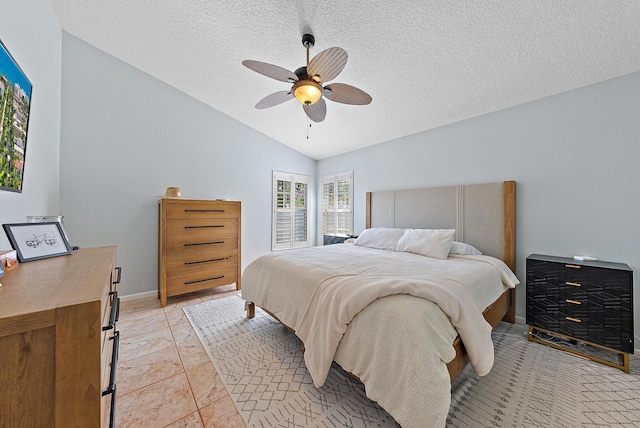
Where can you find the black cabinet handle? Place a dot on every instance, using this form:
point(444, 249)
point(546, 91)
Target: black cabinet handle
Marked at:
point(119, 276)
point(112, 378)
point(115, 311)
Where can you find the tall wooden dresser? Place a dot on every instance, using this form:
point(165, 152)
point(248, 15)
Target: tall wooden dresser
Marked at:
point(59, 341)
point(198, 245)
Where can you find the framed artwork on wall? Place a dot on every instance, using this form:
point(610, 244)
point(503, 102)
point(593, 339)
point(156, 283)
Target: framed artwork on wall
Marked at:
point(15, 105)
point(34, 241)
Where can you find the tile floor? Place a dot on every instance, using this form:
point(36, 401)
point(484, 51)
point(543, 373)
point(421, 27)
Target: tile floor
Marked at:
point(165, 377)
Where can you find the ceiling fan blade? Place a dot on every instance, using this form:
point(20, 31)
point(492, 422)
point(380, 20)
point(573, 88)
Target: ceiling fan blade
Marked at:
point(316, 112)
point(271, 70)
point(274, 99)
point(347, 94)
point(327, 64)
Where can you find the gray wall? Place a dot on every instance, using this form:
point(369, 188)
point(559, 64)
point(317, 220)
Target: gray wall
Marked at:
point(574, 157)
point(31, 33)
point(126, 137)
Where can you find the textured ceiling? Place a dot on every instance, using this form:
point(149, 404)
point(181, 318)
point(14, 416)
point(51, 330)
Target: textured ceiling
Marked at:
point(426, 63)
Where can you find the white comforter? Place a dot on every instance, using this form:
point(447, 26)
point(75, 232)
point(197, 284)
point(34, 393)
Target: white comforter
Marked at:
point(397, 345)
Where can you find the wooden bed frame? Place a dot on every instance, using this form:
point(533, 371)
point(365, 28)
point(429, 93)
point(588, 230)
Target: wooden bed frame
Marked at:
point(502, 309)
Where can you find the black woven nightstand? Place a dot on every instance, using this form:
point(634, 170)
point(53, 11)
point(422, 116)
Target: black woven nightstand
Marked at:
point(589, 302)
point(333, 239)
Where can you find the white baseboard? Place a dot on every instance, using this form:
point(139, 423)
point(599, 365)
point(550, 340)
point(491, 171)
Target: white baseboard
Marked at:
point(139, 295)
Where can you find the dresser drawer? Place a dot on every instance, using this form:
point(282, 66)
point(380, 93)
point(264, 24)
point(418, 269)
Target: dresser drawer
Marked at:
point(194, 251)
point(180, 264)
point(201, 278)
point(202, 209)
point(185, 235)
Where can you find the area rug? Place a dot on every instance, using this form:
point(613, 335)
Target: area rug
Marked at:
point(262, 366)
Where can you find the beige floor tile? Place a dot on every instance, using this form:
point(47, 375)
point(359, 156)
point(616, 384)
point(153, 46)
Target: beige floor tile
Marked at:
point(178, 302)
point(192, 353)
point(139, 308)
point(206, 385)
point(157, 405)
point(183, 332)
point(150, 368)
point(219, 292)
point(136, 346)
point(176, 316)
point(143, 325)
point(191, 421)
point(221, 414)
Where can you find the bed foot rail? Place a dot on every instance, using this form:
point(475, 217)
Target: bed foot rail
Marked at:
point(251, 309)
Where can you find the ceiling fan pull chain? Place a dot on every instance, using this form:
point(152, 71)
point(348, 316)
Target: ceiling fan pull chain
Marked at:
point(309, 126)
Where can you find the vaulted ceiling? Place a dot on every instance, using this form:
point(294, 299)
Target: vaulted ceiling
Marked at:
point(426, 63)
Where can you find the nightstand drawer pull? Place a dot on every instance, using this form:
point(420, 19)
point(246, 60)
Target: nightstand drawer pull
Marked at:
point(205, 227)
point(575, 284)
point(573, 266)
point(575, 302)
point(573, 319)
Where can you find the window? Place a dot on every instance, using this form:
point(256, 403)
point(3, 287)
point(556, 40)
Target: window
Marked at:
point(337, 204)
point(290, 211)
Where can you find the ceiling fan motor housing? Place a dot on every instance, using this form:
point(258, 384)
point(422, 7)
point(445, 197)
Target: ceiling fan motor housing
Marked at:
point(306, 90)
point(308, 39)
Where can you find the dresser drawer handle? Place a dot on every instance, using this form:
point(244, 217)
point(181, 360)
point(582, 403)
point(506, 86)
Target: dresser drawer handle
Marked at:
point(112, 378)
point(575, 284)
point(204, 211)
point(204, 243)
point(573, 266)
point(204, 280)
point(207, 261)
point(119, 276)
point(214, 226)
point(575, 302)
point(115, 311)
point(573, 319)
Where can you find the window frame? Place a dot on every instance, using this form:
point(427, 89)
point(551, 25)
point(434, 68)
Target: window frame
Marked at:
point(277, 244)
point(334, 178)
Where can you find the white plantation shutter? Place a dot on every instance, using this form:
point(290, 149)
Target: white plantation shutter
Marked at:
point(290, 211)
point(337, 204)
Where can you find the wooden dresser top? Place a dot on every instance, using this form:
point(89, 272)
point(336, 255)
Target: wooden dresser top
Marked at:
point(44, 285)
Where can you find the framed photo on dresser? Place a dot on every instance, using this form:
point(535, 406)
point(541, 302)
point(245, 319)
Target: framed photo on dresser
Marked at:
point(35, 241)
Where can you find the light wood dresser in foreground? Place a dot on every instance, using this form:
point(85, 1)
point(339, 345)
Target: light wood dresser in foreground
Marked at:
point(59, 341)
point(198, 245)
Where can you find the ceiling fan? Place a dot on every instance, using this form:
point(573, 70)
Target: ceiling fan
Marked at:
point(309, 82)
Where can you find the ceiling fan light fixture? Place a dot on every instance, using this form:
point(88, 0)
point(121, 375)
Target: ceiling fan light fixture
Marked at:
point(307, 91)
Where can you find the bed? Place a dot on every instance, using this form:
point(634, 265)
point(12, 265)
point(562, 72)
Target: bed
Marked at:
point(402, 345)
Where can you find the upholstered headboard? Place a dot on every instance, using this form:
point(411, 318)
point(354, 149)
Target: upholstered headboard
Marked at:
point(482, 214)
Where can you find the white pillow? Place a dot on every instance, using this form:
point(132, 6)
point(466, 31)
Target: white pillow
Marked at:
point(382, 238)
point(434, 243)
point(463, 249)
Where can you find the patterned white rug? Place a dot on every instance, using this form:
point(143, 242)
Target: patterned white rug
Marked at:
point(262, 366)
